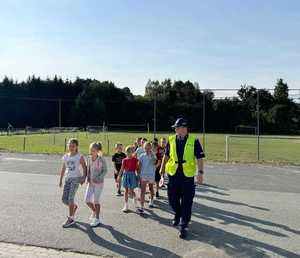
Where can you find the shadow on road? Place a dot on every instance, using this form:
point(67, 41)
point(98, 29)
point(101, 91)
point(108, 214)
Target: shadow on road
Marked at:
point(126, 246)
point(233, 244)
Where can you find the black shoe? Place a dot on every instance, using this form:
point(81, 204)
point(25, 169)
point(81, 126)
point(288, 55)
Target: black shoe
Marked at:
point(119, 193)
point(157, 195)
point(183, 232)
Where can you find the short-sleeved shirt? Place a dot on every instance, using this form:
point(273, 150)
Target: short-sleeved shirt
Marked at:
point(147, 164)
point(180, 144)
point(160, 153)
point(139, 151)
point(130, 164)
point(117, 158)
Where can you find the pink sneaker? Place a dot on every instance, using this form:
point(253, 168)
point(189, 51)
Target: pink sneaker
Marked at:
point(68, 223)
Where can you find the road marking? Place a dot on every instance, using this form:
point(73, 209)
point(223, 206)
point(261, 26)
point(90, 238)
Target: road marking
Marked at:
point(26, 173)
point(29, 160)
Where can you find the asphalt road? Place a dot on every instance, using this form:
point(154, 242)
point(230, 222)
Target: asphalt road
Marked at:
point(242, 211)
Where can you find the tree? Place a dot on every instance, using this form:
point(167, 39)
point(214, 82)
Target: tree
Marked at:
point(281, 92)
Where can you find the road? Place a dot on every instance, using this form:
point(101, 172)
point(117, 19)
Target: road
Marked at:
point(241, 211)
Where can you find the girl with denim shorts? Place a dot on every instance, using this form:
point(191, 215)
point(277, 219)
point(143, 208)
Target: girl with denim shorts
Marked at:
point(128, 173)
point(71, 170)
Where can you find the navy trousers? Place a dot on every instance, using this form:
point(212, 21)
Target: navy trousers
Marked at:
point(181, 192)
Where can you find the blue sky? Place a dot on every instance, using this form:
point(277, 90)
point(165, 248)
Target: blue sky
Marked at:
point(218, 43)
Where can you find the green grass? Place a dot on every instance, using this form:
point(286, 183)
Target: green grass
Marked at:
point(274, 151)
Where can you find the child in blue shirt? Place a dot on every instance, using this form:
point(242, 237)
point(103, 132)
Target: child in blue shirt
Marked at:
point(147, 162)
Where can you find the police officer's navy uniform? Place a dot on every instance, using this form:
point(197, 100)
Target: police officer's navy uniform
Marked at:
point(181, 168)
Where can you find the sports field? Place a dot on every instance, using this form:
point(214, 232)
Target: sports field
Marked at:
point(272, 150)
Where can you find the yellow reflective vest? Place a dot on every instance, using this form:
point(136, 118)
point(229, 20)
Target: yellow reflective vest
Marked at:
point(189, 160)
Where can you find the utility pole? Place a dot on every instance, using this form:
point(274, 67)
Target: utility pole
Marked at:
point(257, 126)
point(203, 121)
point(154, 114)
point(59, 113)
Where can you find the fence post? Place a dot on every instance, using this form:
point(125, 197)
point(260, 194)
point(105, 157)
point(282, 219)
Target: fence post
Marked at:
point(24, 143)
point(59, 113)
point(227, 148)
point(65, 149)
point(103, 131)
point(54, 138)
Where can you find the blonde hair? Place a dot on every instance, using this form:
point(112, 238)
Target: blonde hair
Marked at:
point(128, 149)
point(147, 144)
point(96, 145)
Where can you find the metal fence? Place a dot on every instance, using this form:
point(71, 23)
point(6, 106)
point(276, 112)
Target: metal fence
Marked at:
point(234, 147)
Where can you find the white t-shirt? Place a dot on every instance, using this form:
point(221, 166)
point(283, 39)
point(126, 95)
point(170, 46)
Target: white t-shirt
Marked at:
point(72, 165)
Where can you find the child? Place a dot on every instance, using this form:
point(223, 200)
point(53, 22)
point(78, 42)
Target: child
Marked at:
point(157, 151)
point(163, 145)
point(147, 172)
point(140, 149)
point(71, 168)
point(162, 149)
point(128, 170)
point(117, 164)
point(137, 143)
point(96, 171)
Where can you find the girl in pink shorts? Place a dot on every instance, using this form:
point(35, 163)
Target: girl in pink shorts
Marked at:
point(96, 171)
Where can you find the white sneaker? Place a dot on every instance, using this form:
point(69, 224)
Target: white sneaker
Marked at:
point(95, 222)
point(125, 209)
point(92, 217)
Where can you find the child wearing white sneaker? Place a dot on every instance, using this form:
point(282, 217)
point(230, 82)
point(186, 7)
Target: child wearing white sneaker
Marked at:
point(147, 163)
point(96, 171)
point(71, 170)
point(129, 171)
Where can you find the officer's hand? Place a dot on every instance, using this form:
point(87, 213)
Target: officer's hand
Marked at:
point(161, 181)
point(200, 179)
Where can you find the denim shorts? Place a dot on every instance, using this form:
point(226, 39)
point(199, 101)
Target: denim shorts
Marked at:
point(129, 180)
point(70, 189)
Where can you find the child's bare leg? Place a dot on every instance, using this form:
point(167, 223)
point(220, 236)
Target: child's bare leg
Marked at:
point(143, 192)
point(133, 194)
point(91, 206)
point(126, 195)
point(72, 209)
point(157, 186)
point(97, 210)
point(151, 188)
point(119, 184)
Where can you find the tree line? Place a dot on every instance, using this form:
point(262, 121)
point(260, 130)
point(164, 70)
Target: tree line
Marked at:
point(37, 102)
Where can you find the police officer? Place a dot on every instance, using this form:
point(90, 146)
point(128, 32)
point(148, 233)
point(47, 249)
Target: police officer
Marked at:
point(183, 160)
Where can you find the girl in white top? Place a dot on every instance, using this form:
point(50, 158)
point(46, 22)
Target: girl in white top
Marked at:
point(71, 170)
point(96, 171)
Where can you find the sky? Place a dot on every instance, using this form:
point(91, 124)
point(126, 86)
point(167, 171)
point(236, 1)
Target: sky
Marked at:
point(217, 43)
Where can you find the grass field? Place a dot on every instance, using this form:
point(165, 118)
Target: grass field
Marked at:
point(277, 151)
